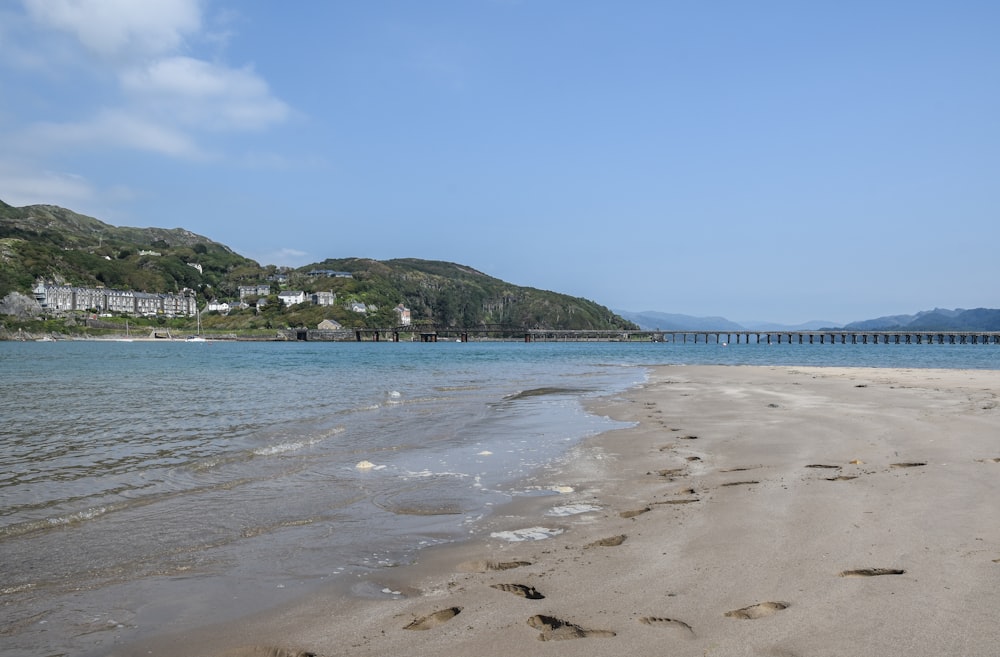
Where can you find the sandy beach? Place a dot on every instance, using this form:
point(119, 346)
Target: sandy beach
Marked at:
point(749, 511)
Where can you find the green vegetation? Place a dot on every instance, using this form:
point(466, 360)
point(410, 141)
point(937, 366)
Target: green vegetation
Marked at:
point(60, 246)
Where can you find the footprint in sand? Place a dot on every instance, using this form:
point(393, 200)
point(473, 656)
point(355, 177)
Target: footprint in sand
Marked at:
point(611, 541)
point(521, 590)
point(741, 483)
point(872, 572)
point(841, 478)
point(659, 621)
point(634, 512)
point(823, 465)
point(554, 629)
point(915, 464)
point(435, 619)
point(670, 472)
point(993, 460)
point(756, 611)
point(484, 566)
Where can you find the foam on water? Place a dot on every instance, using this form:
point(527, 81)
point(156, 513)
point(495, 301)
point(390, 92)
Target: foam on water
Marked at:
point(527, 534)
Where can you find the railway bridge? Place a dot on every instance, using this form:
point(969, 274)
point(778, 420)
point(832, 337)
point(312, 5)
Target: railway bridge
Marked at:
point(508, 333)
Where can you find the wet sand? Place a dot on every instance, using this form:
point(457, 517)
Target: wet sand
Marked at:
point(750, 511)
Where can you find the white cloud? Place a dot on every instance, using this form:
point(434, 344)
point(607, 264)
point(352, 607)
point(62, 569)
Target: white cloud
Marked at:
point(286, 257)
point(19, 186)
point(116, 128)
point(204, 94)
point(167, 102)
point(121, 27)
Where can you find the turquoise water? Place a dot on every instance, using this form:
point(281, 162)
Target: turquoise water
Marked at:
point(137, 475)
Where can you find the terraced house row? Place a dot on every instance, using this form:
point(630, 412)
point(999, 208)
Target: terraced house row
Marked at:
point(63, 298)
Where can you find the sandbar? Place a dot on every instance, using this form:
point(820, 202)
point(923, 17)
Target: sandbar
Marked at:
point(746, 510)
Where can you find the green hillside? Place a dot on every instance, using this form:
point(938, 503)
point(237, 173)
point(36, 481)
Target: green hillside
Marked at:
point(58, 245)
point(44, 242)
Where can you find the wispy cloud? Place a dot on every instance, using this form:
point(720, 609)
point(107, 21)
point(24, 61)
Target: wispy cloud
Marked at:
point(287, 257)
point(121, 28)
point(115, 128)
point(202, 94)
point(166, 101)
point(21, 187)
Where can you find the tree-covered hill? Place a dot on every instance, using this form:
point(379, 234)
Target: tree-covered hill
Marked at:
point(449, 294)
point(60, 246)
point(53, 244)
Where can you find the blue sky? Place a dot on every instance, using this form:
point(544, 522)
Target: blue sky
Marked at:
point(781, 161)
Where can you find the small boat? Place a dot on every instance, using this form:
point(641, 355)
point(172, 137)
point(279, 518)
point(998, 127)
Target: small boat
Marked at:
point(128, 335)
point(196, 338)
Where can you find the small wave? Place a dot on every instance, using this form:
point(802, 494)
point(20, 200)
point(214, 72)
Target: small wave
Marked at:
point(426, 474)
point(77, 517)
point(280, 448)
point(11, 590)
point(294, 445)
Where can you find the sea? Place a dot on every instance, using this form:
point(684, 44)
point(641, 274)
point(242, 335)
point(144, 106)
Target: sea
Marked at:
point(152, 487)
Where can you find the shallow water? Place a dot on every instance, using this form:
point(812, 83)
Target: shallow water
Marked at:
point(148, 487)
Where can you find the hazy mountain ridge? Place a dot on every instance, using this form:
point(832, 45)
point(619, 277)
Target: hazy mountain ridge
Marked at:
point(652, 320)
point(939, 319)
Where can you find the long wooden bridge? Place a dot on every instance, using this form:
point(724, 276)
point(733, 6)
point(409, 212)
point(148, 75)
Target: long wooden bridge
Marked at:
point(487, 332)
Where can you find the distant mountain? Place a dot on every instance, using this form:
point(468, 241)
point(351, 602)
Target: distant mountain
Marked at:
point(814, 325)
point(939, 319)
point(651, 320)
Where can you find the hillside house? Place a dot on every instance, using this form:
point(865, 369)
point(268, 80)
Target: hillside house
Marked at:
point(64, 298)
point(120, 301)
point(254, 291)
point(357, 307)
point(403, 315)
point(324, 298)
point(218, 306)
point(292, 297)
point(329, 325)
point(147, 304)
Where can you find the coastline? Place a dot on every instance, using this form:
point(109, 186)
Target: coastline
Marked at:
point(750, 510)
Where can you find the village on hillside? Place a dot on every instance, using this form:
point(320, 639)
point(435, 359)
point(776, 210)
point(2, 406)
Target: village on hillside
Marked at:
point(104, 301)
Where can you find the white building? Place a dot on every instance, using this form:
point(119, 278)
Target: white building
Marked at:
point(324, 298)
point(403, 313)
point(292, 297)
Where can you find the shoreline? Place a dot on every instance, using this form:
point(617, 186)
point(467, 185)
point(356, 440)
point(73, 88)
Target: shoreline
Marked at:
point(751, 510)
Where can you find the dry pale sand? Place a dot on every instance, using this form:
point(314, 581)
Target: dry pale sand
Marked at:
point(751, 511)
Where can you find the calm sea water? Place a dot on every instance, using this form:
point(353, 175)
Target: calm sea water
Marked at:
point(147, 487)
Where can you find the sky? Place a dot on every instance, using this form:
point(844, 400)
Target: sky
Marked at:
point(761, 161)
